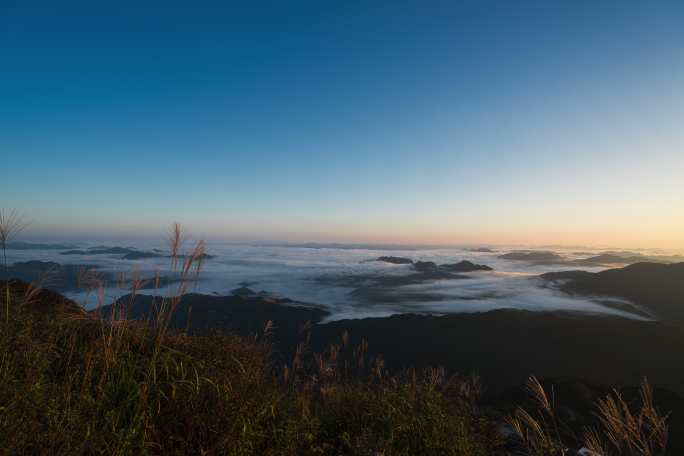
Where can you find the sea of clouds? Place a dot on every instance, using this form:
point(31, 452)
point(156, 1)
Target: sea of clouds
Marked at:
point(293, 272)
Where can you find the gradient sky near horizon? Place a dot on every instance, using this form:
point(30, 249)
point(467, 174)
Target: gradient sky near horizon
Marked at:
point(419, 122)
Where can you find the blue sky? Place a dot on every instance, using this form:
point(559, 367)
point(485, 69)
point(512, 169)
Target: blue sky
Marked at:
point(429, 122)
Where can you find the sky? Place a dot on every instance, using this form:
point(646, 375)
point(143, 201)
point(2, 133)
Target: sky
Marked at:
point(464, 122)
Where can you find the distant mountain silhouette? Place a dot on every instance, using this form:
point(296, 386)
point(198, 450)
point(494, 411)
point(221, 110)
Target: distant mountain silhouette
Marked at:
point(74, 277)
point(657, 287)
point(461, 266)
point(431, 266)
point(624, 258)
point(533, 256)
point(127, 253)
point(395, 260)
point(101, 251)
point(141, 255)
point(20, 245)
point(605, 259)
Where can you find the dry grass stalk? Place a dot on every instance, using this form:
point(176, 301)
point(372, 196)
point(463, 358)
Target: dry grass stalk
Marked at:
point(623, 431)
point(539, 434)
point(175, 241)
point(11, 224)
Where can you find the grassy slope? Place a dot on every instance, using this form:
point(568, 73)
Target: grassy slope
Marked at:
point(73, 384)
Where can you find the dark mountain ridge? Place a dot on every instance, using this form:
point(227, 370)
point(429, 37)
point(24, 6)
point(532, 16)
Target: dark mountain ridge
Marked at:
point(657, 287)
point(245, 313)
point(78, 277)
point(21, 245)
point(503, 346)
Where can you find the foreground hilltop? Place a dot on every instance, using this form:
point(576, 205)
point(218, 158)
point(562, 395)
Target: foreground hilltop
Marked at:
point(115, 386)
point(72, 383)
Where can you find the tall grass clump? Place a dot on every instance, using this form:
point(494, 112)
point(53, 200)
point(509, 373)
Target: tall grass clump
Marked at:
point(622, 429)
point(641, 430)
point(74, 383)
point(11, 224)
point(357, 407)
